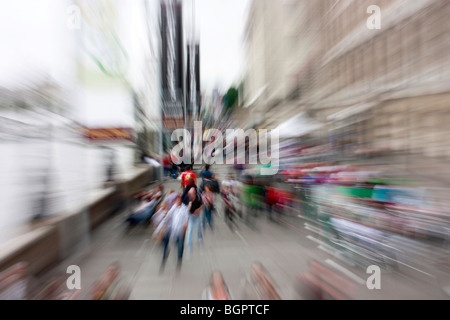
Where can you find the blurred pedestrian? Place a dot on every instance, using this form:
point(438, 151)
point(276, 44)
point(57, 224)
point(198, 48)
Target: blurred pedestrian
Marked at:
point(217, 288)
point(175, 224)
point(235, 195)
point(101, 286)
point(159, 216)
point(195, 209)
point(157, 222)
point(227, 182)
point(236, 185)
point(320, 282)
point(228, 206)
point(259, 285)
point(188, 173)
point(208, 204)
point(170, 199)
point(146, 206)
point(174, 168)
point(14, 282)
point(238, 167)
point(167, 166)
point(190, 184)
point(251, 196)
point(206, 174)
point(271, 200)
point(212, 182)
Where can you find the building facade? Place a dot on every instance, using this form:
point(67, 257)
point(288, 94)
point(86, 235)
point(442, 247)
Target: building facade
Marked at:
point(375, 89)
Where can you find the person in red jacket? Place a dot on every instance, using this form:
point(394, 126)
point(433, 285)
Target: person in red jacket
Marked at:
point(186, 175)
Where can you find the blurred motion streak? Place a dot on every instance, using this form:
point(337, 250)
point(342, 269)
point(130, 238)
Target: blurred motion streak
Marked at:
point(87, 113)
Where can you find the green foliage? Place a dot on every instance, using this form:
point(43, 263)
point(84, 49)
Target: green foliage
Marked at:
point(231, 98)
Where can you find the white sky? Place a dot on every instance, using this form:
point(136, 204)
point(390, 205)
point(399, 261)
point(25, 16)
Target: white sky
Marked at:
point(30, 40)
point(30, 43)
point(35, 40)
point(221, 24)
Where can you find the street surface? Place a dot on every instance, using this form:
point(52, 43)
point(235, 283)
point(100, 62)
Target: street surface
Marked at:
point(283, 247)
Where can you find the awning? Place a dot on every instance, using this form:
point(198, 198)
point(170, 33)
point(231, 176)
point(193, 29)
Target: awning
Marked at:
point(298, 126)
point(256, 96)
point(351, 111)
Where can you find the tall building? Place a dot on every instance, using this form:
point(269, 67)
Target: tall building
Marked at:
point(193, 98)
point(172, 66)
point(271, 59)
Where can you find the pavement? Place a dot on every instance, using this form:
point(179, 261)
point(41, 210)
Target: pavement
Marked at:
point(283, 247)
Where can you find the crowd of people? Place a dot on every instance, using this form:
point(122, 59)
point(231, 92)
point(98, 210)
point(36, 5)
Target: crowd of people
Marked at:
point(185, 214)
point(182, 216)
